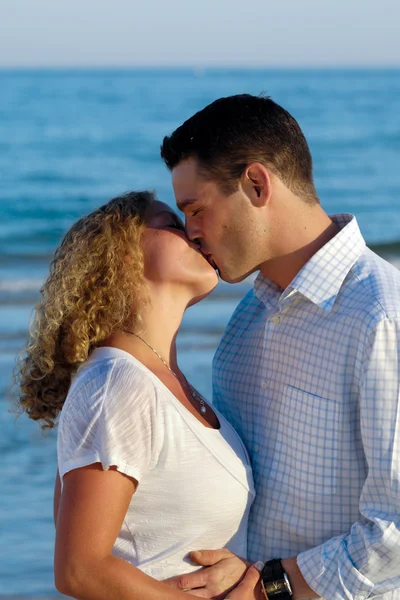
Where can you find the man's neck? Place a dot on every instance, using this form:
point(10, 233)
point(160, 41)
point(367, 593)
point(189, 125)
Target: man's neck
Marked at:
point(306, 239)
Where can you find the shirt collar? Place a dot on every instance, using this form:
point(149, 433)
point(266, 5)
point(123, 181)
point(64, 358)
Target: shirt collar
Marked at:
point(322, 276)
point(266, 290)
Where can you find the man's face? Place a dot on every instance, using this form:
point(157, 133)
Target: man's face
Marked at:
point(223, 225)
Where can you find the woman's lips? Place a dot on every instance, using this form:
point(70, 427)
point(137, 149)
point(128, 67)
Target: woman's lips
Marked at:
point(209, 258)
point(213, 264)
point(210, 261)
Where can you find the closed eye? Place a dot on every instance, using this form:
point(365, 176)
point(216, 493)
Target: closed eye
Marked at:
point(195, 212)
point(177, 224)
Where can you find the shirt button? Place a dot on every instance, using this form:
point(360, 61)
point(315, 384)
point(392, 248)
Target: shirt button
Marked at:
point(256, 448)
point(276, 320)
point(264, 385)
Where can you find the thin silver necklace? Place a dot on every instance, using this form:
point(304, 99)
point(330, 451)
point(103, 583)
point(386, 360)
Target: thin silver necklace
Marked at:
point(196, 396)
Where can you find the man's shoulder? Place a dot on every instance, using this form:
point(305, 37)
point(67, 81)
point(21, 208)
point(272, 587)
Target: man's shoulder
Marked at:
point(245, 310)
point(378, 285)
point(241, 318)
point(246, 302)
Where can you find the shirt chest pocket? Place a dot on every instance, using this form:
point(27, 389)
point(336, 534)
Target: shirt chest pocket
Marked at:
point(305, 455)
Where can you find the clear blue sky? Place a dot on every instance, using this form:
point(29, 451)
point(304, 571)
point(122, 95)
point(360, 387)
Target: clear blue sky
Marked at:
point(199, 32)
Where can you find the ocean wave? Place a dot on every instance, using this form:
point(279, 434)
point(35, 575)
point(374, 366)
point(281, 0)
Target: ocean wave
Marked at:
point(23, 258)
point(51, 177)
point(21, 285)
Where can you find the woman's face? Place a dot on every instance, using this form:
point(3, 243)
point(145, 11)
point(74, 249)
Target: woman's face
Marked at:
point(171, 258)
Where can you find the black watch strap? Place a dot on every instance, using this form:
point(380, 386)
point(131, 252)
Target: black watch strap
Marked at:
point(274, 581)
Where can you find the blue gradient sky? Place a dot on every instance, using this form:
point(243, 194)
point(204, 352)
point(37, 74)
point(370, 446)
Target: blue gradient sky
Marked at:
point(199, 32)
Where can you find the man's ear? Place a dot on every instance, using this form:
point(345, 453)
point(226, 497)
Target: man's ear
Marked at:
point(256, 184)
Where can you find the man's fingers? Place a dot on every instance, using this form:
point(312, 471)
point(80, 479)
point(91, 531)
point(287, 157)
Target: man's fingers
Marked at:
point(253, 574)
point(207, 558)
point(188, 581)
point(171, 582)
point(248, 583)
point(200, 593)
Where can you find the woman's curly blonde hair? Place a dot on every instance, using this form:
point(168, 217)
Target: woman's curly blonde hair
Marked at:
point(95, 279)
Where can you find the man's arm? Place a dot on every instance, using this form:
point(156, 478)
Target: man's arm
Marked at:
point(365, 562)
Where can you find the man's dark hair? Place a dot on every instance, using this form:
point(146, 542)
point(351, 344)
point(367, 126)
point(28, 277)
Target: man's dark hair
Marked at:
point(233, 132)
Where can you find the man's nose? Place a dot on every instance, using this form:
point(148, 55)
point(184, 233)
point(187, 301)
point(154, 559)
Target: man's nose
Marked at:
point(192, 231)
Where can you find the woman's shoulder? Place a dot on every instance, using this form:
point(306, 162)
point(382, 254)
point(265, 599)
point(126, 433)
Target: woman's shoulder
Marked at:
point(112, 374)
point(110, 415)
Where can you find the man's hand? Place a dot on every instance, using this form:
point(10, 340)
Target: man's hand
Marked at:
point(222, 573)
point(250, 587)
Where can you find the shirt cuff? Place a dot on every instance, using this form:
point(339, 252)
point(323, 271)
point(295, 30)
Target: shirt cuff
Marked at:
point(330, 572)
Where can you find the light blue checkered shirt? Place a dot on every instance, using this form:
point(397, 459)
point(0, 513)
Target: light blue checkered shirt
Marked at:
point(310, 379)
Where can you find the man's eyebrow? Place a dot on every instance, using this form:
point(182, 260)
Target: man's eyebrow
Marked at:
point(187, 202)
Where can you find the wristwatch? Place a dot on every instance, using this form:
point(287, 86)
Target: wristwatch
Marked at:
point(275, 582)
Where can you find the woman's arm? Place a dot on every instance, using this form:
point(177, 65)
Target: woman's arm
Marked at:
point(57, 496)
point(92, 508)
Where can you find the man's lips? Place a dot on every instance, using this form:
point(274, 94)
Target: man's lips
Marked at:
point(209, 259)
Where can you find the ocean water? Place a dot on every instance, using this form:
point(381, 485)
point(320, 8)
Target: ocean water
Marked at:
point(71, 140)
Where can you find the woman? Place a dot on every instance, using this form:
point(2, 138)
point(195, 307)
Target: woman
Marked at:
point(149, 470)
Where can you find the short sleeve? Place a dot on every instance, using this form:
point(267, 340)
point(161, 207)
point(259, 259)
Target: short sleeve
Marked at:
point(110, 416)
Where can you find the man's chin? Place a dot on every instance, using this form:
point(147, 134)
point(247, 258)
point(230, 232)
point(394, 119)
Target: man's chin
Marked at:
point(232, 277)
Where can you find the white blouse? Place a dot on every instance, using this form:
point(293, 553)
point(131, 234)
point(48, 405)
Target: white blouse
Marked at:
point(195, 483)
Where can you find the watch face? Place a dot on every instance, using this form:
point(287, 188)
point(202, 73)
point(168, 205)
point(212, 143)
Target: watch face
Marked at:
point(274, 588)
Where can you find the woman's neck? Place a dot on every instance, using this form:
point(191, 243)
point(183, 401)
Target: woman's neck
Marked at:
point(157, 330)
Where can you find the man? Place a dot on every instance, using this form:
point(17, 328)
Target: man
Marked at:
point(308, 368)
